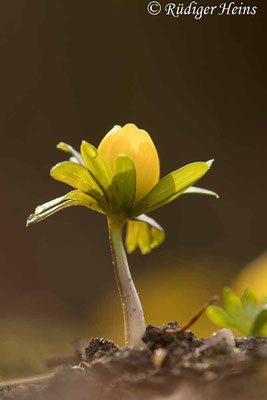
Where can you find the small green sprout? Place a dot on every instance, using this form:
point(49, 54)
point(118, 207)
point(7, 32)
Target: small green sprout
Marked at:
point(246, 315)
point(121, 180)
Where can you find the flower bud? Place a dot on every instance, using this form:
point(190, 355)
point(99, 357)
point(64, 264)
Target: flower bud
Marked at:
point(138, 145)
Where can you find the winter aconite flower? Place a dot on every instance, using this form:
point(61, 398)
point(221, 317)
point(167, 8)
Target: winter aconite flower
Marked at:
point(138, 146)
point(121, 179)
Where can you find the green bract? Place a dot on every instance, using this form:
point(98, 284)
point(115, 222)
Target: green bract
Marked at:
point(246, 315)
point(113, 193)
point(145, 233)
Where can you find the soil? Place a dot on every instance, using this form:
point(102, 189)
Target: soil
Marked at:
point(171, 366)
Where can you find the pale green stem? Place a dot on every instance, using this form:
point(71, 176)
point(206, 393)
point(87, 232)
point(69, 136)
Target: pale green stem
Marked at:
point(134, 321)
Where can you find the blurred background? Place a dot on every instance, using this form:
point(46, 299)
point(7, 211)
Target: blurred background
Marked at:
point(70, 71)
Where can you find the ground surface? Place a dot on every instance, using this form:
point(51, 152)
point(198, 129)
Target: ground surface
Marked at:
point(172, 366)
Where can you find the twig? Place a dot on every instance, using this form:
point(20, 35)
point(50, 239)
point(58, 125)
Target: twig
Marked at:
point(194, 319)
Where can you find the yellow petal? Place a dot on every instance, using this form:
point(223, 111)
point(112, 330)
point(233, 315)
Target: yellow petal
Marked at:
point(138, 145)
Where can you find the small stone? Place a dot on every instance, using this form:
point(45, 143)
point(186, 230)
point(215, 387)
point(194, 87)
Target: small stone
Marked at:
point(210, 375)
point(158, 357)
point(223, 338)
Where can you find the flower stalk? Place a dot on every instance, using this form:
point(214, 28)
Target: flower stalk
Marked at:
point(134, 320)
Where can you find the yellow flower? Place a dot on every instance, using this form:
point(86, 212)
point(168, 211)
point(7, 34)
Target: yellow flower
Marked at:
point(121, 178)
point(139, 147)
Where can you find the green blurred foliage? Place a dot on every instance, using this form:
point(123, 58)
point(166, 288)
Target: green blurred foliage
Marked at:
point(247, 315)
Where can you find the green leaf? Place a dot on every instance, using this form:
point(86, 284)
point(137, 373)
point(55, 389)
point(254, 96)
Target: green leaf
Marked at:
point(71, 199)
point(198, 190)
point(99, 169)
point(46, 209)
point(144, 238)
point(234, 307)
point(170, 187)
point(145, 233)
point(264, 300)
point(158, 237)
point(250, 302)
point(138, 234)
point(232, 303)
point(131, 240)
point(220, 317)
point(78, 177)
point(83, 199)
point(157, 234)
point(69, 149)
point(259, 327)
point(125, 179)
point(150, 221)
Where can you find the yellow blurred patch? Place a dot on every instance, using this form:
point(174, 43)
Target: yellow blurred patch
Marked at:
point(254, 275)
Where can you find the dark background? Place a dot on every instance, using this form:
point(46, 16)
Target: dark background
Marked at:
point(70, 71)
